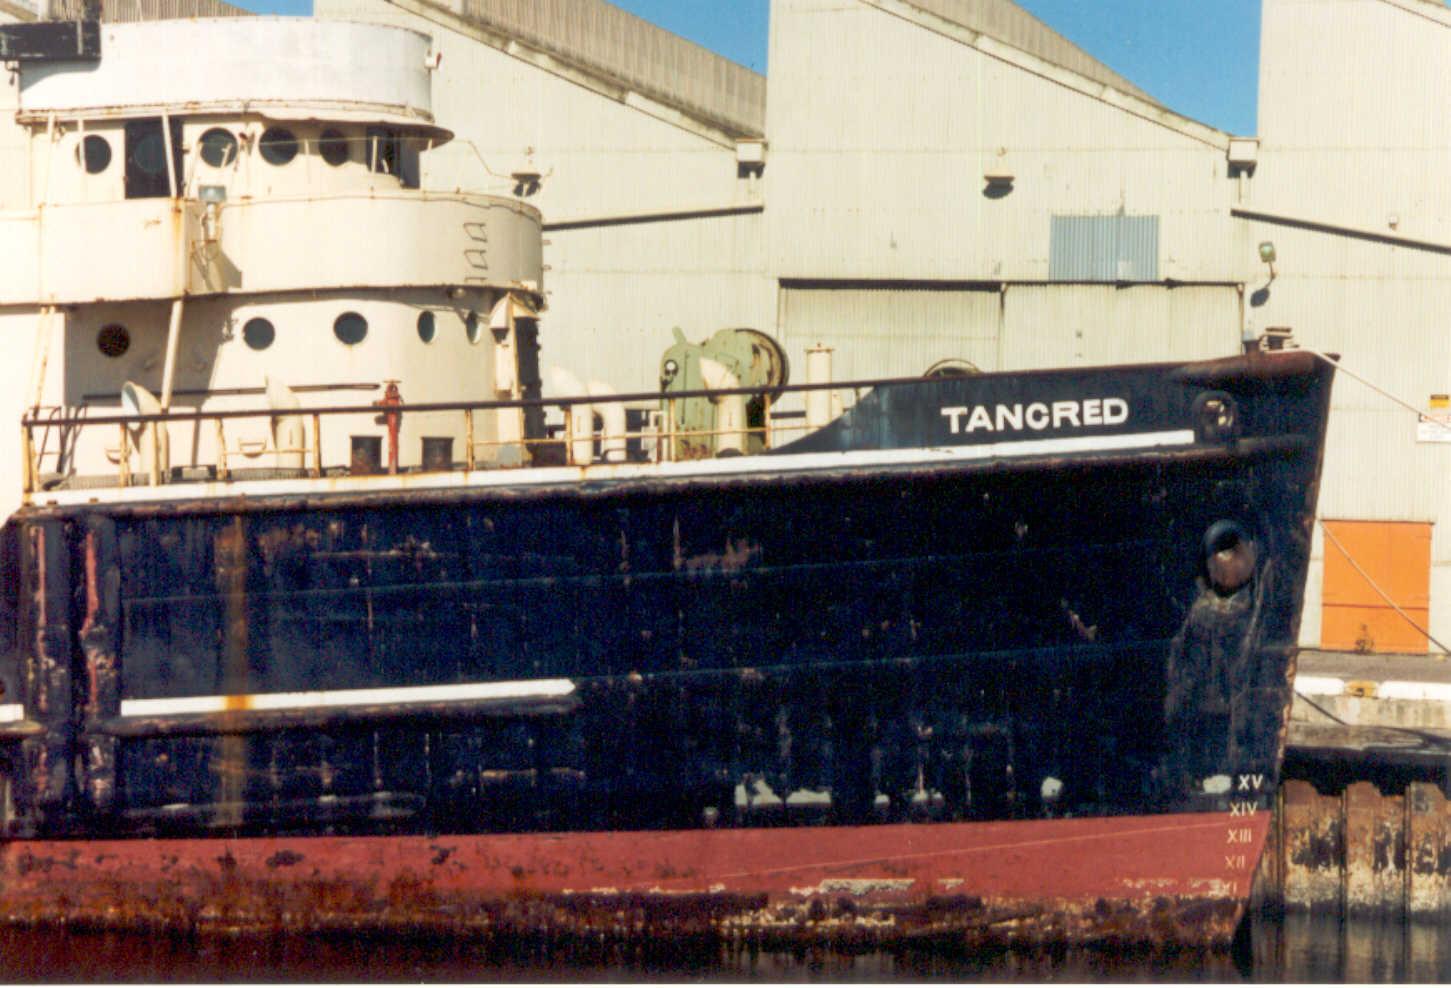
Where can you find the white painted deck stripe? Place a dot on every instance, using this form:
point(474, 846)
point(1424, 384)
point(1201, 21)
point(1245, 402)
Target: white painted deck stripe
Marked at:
point(553, 476)
point(1319, 685)
point(528, 689)
point(11, 712)
point(1395, 689)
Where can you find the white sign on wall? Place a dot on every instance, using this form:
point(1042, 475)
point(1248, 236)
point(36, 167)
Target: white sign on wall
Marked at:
point(1434, 426)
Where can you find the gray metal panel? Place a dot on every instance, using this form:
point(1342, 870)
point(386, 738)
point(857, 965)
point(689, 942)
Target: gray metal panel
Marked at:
point(1007, 22)
point(1104, 248)
point(605, 39)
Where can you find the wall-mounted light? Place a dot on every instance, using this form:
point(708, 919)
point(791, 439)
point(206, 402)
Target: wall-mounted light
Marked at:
point(212, 196)
point(1269, 256)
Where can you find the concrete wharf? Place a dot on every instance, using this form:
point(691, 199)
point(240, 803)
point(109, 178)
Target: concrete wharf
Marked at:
point(1363, 819)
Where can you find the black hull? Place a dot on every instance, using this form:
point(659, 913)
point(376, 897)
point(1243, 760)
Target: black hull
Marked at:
point(956, 638)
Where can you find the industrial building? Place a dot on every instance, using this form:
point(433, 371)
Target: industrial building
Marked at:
point(928, 179)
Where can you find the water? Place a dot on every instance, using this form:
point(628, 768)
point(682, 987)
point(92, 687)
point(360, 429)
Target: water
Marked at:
point(1294, 949)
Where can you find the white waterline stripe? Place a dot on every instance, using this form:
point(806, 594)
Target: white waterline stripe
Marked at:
point(11, 712)
point(553, 476)
point(1319, 685)
point(528, 689)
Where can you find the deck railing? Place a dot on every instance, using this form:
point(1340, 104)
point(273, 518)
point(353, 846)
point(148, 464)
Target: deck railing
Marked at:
point(51, 437)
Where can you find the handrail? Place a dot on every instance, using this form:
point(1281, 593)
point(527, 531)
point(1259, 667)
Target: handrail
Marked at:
point(664, 438)
point(29, 421)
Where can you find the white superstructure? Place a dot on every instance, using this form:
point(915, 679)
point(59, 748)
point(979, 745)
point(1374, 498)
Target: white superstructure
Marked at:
point(225, 214)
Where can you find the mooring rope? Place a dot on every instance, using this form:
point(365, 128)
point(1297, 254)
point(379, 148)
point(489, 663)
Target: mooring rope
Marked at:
point(1367, 382)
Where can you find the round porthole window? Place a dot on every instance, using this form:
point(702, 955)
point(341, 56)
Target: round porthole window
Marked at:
point(278, 145)
point(350, 328)
point(259, 333)
point(471, 327)
point(94, 154)
point(113, 340)
point(333, 147)
point(218, 147)
point(426, 327)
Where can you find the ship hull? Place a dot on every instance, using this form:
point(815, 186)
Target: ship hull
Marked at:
point(909, 650)
point(1162, 880)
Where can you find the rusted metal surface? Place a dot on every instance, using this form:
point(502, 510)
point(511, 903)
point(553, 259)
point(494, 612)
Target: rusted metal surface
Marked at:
point(1126, 880)
point(1360, 853)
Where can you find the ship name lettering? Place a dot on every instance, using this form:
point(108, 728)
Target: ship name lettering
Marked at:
point(1243, 809)
point(1036, 416)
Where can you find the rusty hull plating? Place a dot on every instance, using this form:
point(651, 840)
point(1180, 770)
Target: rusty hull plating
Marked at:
point(1030, 693)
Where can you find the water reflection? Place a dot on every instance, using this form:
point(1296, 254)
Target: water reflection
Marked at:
point(1296, 948)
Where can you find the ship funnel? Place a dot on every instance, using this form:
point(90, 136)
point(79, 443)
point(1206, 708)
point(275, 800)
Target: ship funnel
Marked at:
point(288, 438)
point(153, 439)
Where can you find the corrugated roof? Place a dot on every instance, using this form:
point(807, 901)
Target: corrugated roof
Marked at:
point(602, 39)
point(1011, 24)
point(144, 10)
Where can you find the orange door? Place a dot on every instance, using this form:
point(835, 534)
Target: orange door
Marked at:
point(1397, 557)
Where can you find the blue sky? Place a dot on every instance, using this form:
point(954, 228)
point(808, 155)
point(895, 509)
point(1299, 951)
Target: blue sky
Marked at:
point(1200, 59)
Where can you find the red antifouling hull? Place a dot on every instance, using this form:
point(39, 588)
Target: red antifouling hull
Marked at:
point(1181, 878)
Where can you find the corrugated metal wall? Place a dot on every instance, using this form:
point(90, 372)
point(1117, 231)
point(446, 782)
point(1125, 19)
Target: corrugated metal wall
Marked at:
point(882, 132)
point(890, 331)
point(1066, 325)
point(635, 52)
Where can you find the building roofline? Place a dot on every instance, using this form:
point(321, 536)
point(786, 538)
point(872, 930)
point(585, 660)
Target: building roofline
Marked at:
point(1432, 10)
point(1130, 103)
point(1011, 24)
point(618, 55)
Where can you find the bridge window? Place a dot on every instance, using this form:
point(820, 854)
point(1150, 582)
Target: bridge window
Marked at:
point(94, 154)
point(426, 327)
point(147, 176)
point(471, 327)
point(278, 145)
point(218, 147)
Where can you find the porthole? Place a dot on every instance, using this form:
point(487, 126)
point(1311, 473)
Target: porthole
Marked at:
point(113, 340)
point(259, 333)
point(218, 147)
point(350, 328)
point(94, 154)
point(278, 146)
point(333, 147)
point(426, 327)
point(471, 327)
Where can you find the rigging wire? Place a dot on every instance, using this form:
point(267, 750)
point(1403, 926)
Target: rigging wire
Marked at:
point(1420, 416)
